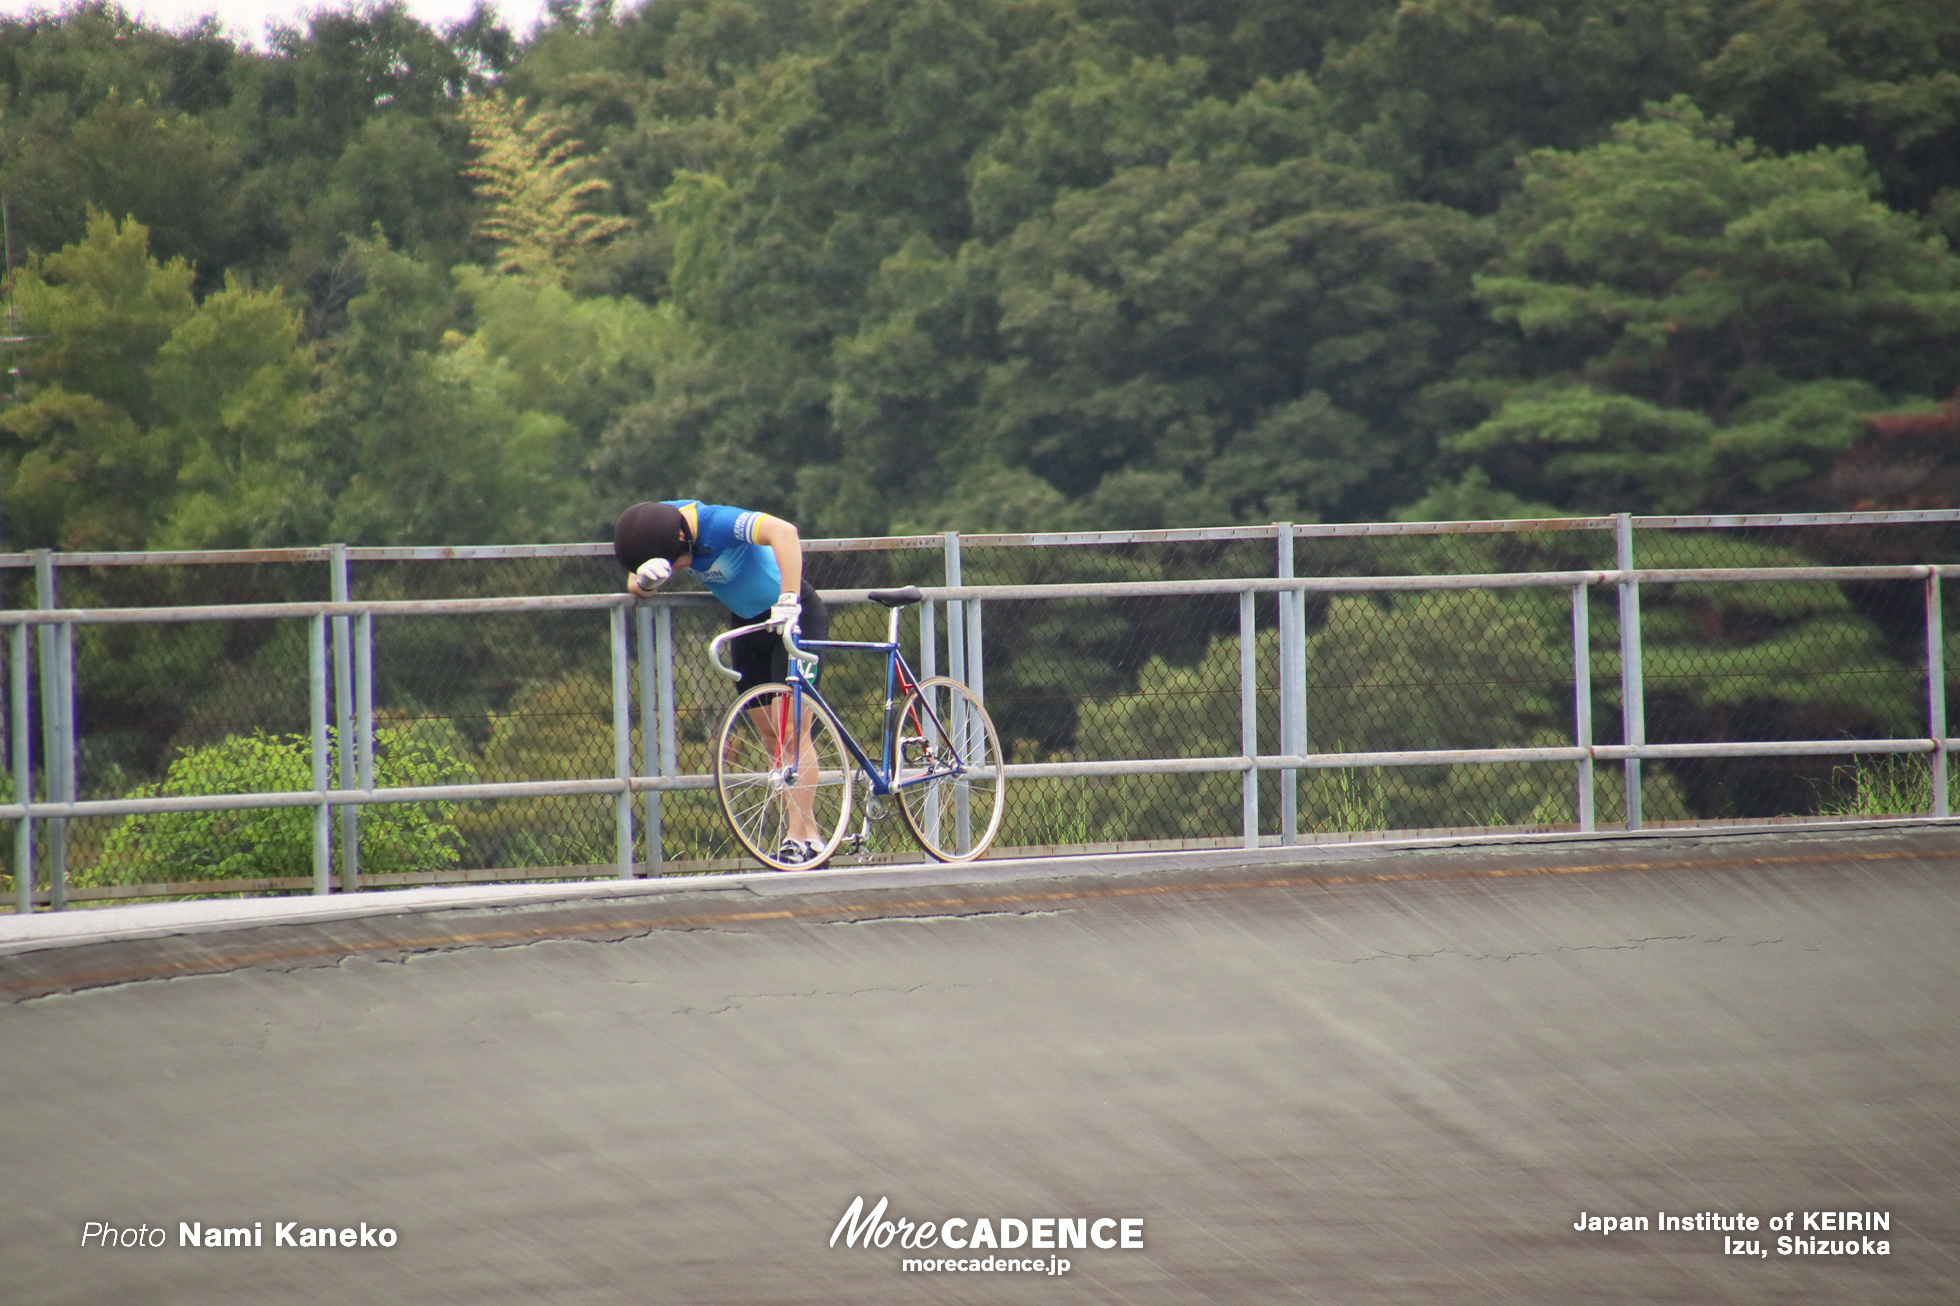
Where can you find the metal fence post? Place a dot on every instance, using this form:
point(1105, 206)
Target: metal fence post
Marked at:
point(663, 648)
point(622, 741)
point(65, 719)
point(1292, 687)
point(1936, 688)
point(322, 767)
point(956, 667)
point(65, 765)
point(928, 668)
point(1633, 703)
point(345, 725)
point(658, 730)
point(23, 760)
point(650, 815)
point(955, 613)
point(976, 645)
point(54, 728)
point(971, 732)
point(364, 699)
point(1582, 728)
point(1249, 718)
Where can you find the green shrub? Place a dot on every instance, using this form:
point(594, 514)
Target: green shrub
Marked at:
point(278, 842)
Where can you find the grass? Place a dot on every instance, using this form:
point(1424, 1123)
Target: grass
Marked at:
point(1341, 801)
point(1891, 785)
point(1052, 814)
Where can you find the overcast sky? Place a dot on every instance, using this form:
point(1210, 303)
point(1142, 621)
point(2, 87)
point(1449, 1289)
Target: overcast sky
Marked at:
point(246, 19)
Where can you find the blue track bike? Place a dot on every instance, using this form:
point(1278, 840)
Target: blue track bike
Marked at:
point(786, 765)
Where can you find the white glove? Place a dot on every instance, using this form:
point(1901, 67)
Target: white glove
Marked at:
point(653, 573)
point(787, 612)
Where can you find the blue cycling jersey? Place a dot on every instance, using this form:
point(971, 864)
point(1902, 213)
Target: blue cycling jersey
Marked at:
point(740, 572)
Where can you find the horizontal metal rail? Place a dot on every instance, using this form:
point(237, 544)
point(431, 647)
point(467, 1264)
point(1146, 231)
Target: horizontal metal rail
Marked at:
point(350, 608)
point(1099, 590)
point(1333, 530)
point(1462, 756)
point(419, 553)
point(457, 793)
point(1518, 526)
point(1484, 580)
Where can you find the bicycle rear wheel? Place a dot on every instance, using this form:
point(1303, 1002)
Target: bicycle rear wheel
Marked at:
point(771, 789)
point(951, 776)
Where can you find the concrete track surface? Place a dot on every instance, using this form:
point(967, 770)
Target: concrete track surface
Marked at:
point(1369, 1076)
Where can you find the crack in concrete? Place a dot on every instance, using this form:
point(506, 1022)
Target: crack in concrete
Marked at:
point(383, 953)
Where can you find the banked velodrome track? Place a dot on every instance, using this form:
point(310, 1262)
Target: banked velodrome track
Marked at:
point(1368, 1074)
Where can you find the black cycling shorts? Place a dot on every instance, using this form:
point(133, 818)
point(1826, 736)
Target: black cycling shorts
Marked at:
point(760, 655)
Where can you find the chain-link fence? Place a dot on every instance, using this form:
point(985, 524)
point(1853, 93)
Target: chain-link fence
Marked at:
point(450, 683)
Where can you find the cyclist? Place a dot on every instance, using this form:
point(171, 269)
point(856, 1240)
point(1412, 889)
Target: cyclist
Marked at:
point(753, 563)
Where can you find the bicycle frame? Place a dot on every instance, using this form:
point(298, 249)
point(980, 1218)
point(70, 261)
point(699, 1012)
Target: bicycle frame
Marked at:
point(900, 680)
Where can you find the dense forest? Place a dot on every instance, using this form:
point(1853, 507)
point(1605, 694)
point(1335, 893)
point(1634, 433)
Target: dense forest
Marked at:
point(884, 265)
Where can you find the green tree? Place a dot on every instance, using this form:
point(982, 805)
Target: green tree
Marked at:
point(146, 418)
point(581, 357)
point(423, 434)
point(235, 387)
point(1445, 94)
point(98, 109)
point(1243, 324)
point(1192, 299)
point(349, 122)
point(774, 245)
point(1708, 319)
point(171, 170)
point(1796, 74)
point(399, 175)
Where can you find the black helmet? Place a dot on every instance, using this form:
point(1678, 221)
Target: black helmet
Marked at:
point(650, 530)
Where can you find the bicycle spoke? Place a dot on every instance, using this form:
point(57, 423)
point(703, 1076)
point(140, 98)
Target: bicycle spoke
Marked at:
point(951, 771)
point(775, 762)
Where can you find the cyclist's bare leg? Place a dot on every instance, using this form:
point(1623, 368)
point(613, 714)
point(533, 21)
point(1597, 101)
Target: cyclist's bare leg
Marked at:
point(803, 797)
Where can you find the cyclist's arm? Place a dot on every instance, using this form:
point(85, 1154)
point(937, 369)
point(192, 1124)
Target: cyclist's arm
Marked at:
point(782, 538)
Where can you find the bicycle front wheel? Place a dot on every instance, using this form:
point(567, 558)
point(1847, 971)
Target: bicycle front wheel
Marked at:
point(951, 776)
point(782, 774)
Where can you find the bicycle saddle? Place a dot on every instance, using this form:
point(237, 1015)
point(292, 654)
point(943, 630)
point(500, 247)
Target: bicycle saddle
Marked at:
point(896, 598)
